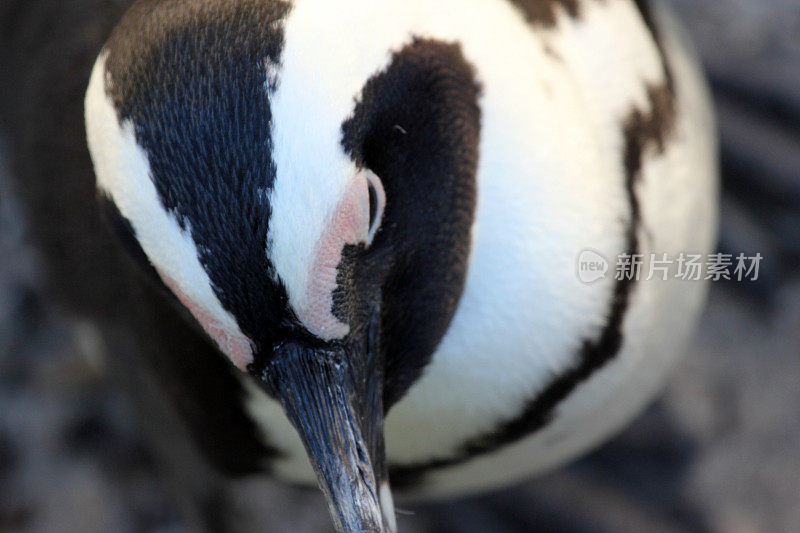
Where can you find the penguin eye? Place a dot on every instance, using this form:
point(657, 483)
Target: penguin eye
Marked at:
point(373, 206)
point(377, 202)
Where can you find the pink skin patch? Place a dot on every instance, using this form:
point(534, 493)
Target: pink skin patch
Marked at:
point(349, 224)
point(233, 344)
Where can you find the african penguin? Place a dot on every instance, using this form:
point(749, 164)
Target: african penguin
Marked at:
point(370, 214)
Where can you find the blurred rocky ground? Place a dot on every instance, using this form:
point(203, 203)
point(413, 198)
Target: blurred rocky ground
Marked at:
point(720, 452)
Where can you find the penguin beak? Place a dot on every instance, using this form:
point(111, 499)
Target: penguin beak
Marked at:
point(334, 398)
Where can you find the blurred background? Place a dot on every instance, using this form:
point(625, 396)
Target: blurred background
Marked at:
point(718, 452)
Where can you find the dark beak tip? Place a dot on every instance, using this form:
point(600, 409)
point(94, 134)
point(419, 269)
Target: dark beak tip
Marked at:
point(340, 420)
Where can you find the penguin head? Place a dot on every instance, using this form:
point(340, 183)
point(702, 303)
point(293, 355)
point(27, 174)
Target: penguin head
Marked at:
point(316, 223)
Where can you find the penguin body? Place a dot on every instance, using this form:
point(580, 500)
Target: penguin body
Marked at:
point(399, 193)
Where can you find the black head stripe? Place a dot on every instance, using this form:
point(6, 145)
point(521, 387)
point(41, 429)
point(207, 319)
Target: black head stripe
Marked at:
point(417, 126)
point(192, 76)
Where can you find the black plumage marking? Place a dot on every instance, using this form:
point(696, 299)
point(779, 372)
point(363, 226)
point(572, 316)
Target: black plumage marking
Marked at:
point(544, 12)
point(192, 77)
point(645, 9)
point(416, 125)
point(647, 14)
point(642, 130)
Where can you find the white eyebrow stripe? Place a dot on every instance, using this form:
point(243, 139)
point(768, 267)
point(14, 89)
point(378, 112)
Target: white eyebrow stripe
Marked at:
point(308, 109)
